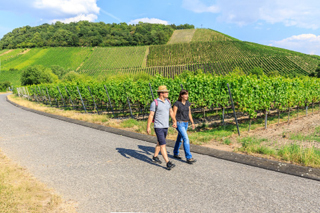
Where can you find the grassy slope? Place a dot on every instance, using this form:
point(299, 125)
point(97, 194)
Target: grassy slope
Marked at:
point(182, 36)
point(114, 57)
point(12, 76)
point(66, 57)
point(10, 55)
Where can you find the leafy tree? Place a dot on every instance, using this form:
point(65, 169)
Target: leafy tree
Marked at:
point(238, 71)
point(37, 75)
point(73, 76)
point(86, 33)
point(257, 71)
point(59, 71)
point(317, 71)
point(274, 73)
point(4, 85)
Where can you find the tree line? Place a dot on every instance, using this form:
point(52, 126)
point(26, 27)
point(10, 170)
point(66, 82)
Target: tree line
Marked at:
point(84, 33)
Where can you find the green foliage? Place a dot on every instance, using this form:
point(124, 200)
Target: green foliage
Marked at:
point(37, 75)
point(274, 73)
point(257, 71)
point(84, 33)
point(250, 94)
point(59, 71)
point(238, 71)
point(72, 76)
point(4, 86)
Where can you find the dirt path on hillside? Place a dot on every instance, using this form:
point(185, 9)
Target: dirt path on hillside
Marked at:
point(24, 52)
point(6, 52)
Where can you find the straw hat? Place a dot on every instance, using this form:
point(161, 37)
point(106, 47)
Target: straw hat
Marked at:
point(162, 88)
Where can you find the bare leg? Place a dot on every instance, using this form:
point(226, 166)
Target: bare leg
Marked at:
point(164, 153)
point(157, 150)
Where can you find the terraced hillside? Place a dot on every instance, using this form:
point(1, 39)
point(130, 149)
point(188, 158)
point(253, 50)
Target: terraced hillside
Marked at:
point(115, 57)
point(230, 54)
point(204, 49)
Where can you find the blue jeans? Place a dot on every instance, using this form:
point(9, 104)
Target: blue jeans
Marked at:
point(182, 130)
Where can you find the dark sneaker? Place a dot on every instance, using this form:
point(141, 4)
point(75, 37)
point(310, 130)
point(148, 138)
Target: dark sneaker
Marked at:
point(177, 156)
point(170, 165)
point(156, 160)
point(191, 161)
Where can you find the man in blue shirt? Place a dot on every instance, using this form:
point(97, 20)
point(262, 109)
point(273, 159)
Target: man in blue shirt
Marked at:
point(160, 110)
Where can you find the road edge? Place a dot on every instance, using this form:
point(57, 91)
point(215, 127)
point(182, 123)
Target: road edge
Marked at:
point(286, 168)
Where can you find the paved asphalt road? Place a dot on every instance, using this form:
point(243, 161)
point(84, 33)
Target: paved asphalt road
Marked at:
point(104, 172)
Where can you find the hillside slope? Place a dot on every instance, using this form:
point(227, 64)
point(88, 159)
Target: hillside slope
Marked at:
point(204, 49)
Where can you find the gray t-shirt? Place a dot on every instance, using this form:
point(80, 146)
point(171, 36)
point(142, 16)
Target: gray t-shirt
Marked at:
point(161, 119)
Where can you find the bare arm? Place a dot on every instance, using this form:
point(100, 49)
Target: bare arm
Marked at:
point(173, 117)
point(175, 110)
point(149, 122)
point(191, 119)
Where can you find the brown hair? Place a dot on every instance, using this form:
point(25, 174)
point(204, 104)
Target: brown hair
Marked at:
point(182, 92)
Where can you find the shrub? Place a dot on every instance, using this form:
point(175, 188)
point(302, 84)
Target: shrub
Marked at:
point(238, 71)
point(59, 71)
point(257, 71)
point(73, 76)
point(274, 73)
point(37, 75)
point(4, 86)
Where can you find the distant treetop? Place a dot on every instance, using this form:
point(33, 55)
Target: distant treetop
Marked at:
point(86, 33)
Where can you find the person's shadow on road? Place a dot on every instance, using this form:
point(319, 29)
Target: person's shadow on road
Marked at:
point(145, 154)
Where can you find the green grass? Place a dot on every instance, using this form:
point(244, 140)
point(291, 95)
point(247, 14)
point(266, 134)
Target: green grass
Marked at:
point(66, 57)
point(293, 153)
point(182, 36)
point(315, 136)
point(254, 145)
point(203, 135)
point(3, 51)
point(10, 55)
point(114, 57)
point(12, 76)
point(24, 60)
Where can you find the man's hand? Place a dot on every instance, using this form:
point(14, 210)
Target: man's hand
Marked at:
point(148, 130)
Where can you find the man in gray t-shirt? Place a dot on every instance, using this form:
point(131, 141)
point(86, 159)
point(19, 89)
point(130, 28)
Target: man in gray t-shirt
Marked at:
point(160, 110)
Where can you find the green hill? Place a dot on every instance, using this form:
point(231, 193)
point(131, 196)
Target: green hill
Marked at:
point(190, 49)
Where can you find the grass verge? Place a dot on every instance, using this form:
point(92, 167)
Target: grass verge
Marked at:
point(20, 192)
point(293, 153)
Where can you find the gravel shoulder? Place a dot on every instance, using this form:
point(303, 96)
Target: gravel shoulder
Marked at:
point(105, 172)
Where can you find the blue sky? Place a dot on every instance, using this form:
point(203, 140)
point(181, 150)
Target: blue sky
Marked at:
point(290, 24)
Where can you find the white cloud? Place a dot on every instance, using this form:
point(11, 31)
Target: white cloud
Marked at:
point(305, 43)
point(198, 7)
point(298, 13)
point(55, 10)
point(68, 7)
point(69, 10)
point(149, 20)
point(82, 17)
